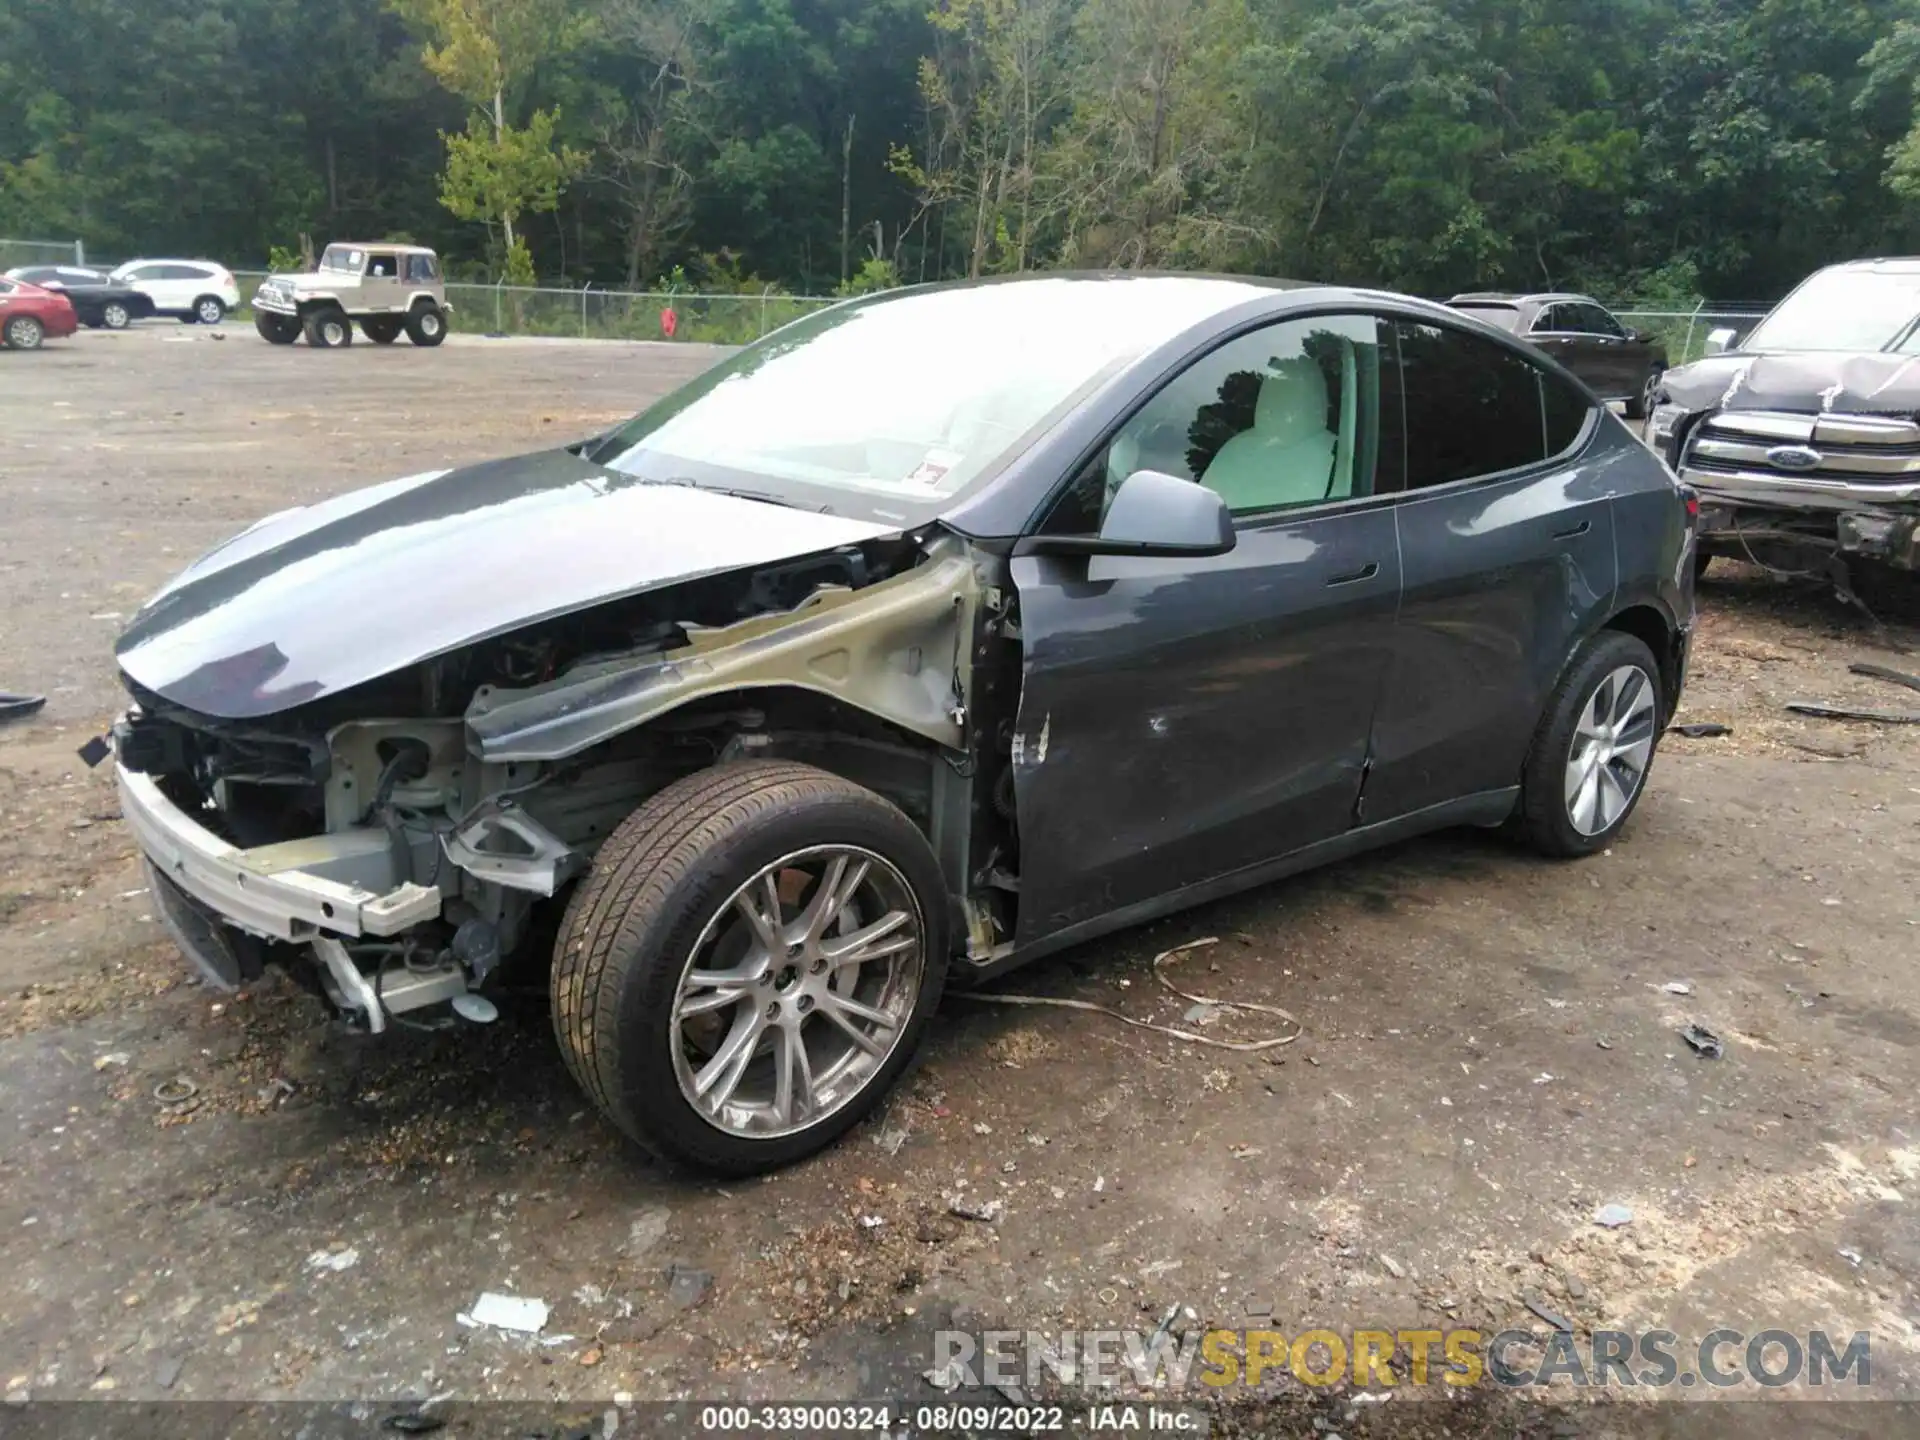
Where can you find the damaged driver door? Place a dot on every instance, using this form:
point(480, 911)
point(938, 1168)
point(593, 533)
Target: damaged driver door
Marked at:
point(1184, 720)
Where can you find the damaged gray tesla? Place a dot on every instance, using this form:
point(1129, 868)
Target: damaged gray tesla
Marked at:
point(935, 632)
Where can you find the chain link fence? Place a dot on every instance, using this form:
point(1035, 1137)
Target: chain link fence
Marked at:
point(1685, 332)
point(15, 253)
point(591, 314)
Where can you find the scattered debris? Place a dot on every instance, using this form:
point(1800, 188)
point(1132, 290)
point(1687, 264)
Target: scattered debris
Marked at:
point(118, 1057)
point(985, 1211)
point(175, 1091)
point(1159, 961)
point(1393, 1267)
point(687, 1286)
point(890, 1140)
point(1881, 672)
point(334, 1260)
point(1603, 1042)
point(1576, 1287)
point(981, 1127)
point(520, 1313)
point(1612, 1217)
point(1543, 1078)
point(166, 1370)
point(1703, 1041)
point(1677, 987)
point(1546, 1312)
point(649, 1227)
point(872, 1222)
point(1852, 1257)
point(1701, 730)
point(15, 707)
point(1848, 712)
point(412, 1422)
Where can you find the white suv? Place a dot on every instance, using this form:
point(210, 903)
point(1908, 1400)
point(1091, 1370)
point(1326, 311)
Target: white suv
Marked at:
point(194, 290)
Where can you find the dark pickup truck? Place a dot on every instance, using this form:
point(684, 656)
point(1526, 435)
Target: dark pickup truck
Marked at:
point(1803, 439)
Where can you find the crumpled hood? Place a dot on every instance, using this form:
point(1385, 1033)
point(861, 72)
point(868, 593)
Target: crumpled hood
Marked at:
point(1864, 383)
point(320, 598)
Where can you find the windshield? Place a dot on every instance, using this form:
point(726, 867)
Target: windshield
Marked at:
point(341, 257)
point(1842, 309)
point(890, 407)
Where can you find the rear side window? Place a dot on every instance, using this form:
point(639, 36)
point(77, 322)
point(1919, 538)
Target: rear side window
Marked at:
point(1566, 412)
point(1473, 406)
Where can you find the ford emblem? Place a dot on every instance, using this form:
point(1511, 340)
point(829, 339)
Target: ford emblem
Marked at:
point(1794, 457)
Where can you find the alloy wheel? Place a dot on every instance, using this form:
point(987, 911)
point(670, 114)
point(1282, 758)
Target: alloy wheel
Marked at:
point(1612, 746)
point(210, 312)
point(115, 317)
point(798, 990)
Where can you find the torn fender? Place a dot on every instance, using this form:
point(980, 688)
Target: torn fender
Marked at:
point(898, 649)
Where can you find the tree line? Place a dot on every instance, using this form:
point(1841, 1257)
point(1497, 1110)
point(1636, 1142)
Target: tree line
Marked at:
point(1652, 149)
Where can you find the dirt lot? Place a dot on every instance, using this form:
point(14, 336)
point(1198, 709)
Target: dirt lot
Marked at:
point(1490, 1051)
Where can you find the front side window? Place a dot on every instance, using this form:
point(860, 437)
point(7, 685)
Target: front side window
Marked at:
point(1473, 406)
point(1596, 321)
point(382, 267)
point(1282, 417)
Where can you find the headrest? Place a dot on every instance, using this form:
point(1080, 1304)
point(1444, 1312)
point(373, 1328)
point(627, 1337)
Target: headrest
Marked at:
point(1293, 400)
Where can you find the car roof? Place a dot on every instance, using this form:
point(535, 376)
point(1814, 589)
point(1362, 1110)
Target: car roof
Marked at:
point(401, 246)
point(1897, 264)
point(1500, 297)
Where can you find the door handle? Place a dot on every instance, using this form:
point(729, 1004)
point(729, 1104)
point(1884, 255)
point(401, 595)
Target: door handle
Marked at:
point(1575, 533)
point(1365, 572)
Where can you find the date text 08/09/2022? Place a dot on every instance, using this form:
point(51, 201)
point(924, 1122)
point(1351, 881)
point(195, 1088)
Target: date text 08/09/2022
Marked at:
point(885, 1418)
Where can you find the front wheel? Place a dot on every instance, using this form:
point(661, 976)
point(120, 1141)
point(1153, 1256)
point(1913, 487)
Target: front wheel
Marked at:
point(276, 329)
point(328, 329)
point(1588, 764)
point(1641, 405)
point(25, 333)
point(426, 326)
point(750, 965)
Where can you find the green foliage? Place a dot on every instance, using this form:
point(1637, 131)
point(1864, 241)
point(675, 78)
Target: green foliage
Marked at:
point(873, 274)
point(1652, 150)
point(281, 260)
point(502, 174)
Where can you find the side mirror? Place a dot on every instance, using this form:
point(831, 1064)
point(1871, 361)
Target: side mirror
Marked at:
point(1152, 513)
point(1720, 341)
point(1644, 337)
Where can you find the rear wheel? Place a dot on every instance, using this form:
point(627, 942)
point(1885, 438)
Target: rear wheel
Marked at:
point(751, 964)
point(114, 315)
point(277, 329)
point(25, 333)
point(426, 325)
point(381, 329)
point(1590, 757)
point(209, 310)
point(328, 329)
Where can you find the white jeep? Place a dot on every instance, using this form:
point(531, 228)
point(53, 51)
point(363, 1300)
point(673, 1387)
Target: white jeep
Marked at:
point(385, 288)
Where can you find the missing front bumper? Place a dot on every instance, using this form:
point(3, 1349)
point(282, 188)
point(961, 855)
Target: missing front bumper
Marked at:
point(341, 884)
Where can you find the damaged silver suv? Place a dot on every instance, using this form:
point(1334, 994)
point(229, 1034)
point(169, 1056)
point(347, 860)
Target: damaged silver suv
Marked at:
point(935, 632)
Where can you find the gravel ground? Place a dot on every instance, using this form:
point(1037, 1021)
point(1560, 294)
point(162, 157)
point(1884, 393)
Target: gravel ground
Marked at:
point(1489, 1054)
